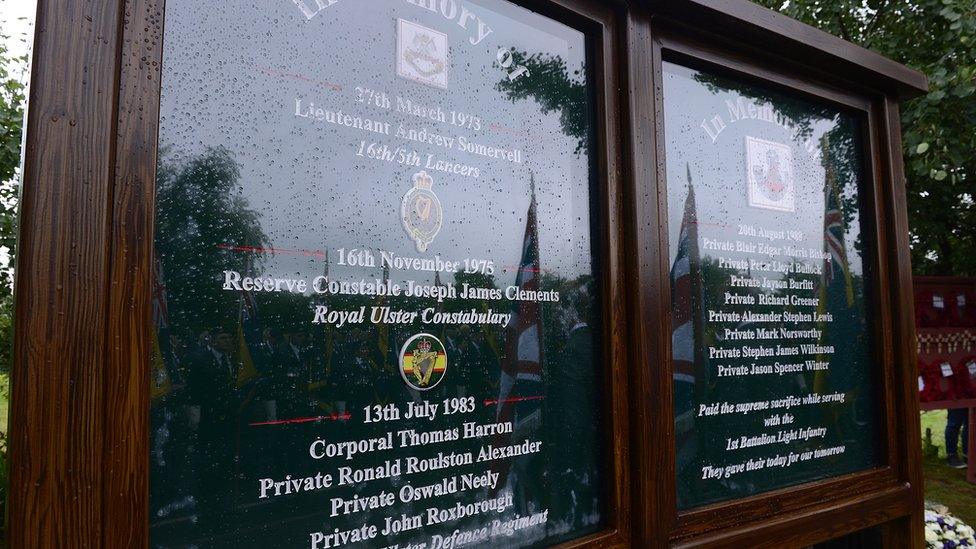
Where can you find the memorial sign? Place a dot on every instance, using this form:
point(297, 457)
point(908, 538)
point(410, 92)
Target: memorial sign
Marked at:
point(374, 294)
point(461, 273)
point(774, 374)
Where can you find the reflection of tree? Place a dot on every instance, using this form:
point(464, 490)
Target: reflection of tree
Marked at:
point(550, 83)
point(199, 213)
point(843, 138)
point(474, 280)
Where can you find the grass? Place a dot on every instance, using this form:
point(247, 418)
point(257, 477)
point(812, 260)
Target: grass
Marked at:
point(942, 484)
point(3, 411)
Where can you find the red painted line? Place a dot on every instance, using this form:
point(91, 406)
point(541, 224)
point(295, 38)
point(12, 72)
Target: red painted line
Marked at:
point(283, 251)
point(509, 268)
point(513, 399)
point(301, 77)
point(330, 417)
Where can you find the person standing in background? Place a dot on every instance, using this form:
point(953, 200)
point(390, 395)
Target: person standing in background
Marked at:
point(957, 422)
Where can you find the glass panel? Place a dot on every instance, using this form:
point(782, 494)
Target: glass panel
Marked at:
point(377, 315)
point(774, 381)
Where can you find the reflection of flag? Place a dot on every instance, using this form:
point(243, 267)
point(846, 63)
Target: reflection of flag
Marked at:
point(836, 284)
point(248, 333)
point(521, 370)
point(320, 378)
point(834, 231)
point(685, 319)
point(684, 277)
point(383, 329)
point(162, 383)
point(329, 330)
point(440, 307)
point(489, 332)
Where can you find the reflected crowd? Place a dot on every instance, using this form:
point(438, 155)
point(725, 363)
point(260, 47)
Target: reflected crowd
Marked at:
point(234, 404)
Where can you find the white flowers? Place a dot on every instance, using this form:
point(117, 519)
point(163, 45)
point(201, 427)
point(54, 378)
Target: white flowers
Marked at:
point(944, 531)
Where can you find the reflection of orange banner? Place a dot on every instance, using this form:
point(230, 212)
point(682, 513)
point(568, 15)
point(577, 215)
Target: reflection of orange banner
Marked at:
point(161, 383)
point(439, 365)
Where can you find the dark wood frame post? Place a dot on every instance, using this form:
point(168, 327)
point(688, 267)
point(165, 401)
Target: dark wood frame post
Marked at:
point(600, 23)
point(77, 442)
point(79, 439)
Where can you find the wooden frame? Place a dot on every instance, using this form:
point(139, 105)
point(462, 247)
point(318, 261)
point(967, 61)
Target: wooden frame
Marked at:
point(733, 516)
point(79, 405)
point(599, 23)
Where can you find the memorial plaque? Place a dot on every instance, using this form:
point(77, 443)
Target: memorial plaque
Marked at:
point(376, 303)
point(774, 374)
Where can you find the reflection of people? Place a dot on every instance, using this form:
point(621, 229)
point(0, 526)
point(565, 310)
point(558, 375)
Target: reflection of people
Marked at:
point(211, 375)
point(357, 371)
point(260, 403)
point(479, 361)
point(293, 373)
point(465, 356)
point(211, 385)
point(574, 459)
point(173, 431)
point(957, 421)
point(364, 363)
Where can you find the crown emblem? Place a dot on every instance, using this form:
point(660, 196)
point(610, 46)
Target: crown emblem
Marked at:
point(423, 181)
point(424, 346)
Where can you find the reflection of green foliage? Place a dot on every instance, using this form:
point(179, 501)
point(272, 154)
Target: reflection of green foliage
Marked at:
point(549, 82)
point(576, 305)
point(478, 280)
point(937, 37)
point(199, 210)
point(843, 139)
point(11, 127)
point(12, 101)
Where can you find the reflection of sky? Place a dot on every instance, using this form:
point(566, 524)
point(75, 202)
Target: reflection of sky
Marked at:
point(237, 88)
point(718, 171)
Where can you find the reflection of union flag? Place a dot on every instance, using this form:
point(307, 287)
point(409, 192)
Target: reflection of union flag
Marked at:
point(834, 228)
point(685, 322)
point(684, 274)
point(248, 334)
point(836, 291)
point(520, 385)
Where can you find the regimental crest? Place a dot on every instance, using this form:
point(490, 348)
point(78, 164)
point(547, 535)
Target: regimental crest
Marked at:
point(421, 211)
point(423, 362)
point(769, 172)
point(422, 54)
